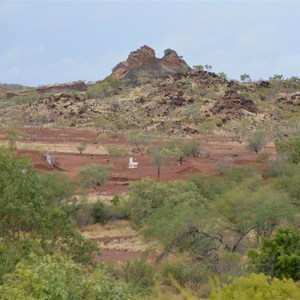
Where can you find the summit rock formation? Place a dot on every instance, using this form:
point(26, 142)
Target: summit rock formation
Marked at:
point(144, 63)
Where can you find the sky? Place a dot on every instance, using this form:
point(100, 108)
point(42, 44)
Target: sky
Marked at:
point(47, 42)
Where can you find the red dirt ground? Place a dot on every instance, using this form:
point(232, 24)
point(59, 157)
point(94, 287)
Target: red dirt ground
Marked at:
point(72, 163)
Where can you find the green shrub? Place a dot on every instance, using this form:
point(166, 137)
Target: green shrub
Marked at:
point(279, 256)
point(256, 286)
point(139, 273)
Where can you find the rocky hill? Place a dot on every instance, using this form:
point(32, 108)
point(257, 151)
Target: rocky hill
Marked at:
point(144, 63)
point(171, 99)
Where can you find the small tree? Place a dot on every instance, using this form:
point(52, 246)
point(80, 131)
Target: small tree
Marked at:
point(101, 123)
point(158, 159)
point(290, 148)
point(140, 140)
point(245, 78)
point(257, 141)
point(94, 176)
point(207, 128)
point(198, 67)
point(222, 75)
point(12, 134)
point(82, 146)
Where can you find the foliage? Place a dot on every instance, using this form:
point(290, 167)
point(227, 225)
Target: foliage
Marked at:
point(105, 87)
point(94, 176)
point(58, 277)
point(290, 148)
point(145, 196)
point(209, 186)
point(224, 165)
point(279, 256)
point(101, 123)
point(187, 274)
point(56, 188)
point(24, 212)
point(12, 134)
point(139, 273)
point(139, 139)
point(290, 185)
point(158, 159)
point(256, 286)
point(257, 141)
point(117, 152)
point(245, 78)
point(191, 148)
point(82, 146)
point(207, 128)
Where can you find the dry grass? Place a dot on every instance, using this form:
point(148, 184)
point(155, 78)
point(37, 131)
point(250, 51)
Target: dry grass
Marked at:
point(117, 235)
point(64, 148)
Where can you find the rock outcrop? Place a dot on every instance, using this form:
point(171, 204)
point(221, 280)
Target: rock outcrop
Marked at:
point(144, 63)
point(233, 106)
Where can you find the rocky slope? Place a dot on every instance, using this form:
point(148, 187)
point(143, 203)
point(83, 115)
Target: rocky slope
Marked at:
point(170, 100)
point(143, 63)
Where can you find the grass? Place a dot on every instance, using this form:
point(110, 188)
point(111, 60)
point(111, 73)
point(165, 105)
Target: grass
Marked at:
point(64, 148)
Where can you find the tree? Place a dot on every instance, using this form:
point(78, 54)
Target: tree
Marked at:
point(191, 148)
point(56, 188)
point(207, 128)
point(63, 123)
point(24, 214)
point(257, 141)
point(94, 176)
point(101, 123)
point(279, 256)
point(82, 146)
point(116, 153)
point(158, 159)
point(222, 75)
point(289, 148)
point(276, 77)
point(192, 113)
point(12, 134)
point(140, 140)
point(208, 67)
point(245, 78)
point(256, 286)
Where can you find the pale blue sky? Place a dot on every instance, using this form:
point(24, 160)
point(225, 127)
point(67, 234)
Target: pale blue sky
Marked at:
point(45, 42)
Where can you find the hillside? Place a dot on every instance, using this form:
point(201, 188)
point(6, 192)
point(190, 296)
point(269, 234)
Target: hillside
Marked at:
point(159, 100)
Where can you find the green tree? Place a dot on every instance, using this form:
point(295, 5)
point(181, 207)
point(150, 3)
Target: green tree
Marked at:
point(25, 215)
point(56, 188)
point(279, 256)
point(198, 67)
point(207, 128)
point(139, 140)
point(82, 146)
point(289, 148)
point(158, 159)
point(12, 134)
point(245, 78)
point(102, 123)
point(94, 176)
point(257, 141)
